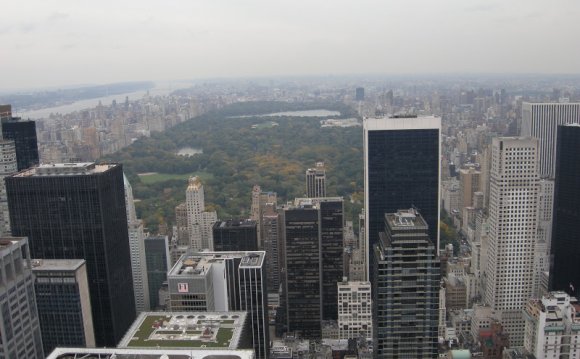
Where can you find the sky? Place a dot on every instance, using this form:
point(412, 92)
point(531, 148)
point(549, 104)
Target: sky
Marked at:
point(49, 43)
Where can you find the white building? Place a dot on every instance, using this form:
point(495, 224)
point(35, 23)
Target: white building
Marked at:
point(541, 120)
point(199, 221)
point(513, 210)
point(7, 168)
point(355, 310)
point(137, 248)
point(544, 240)
point(552, 327)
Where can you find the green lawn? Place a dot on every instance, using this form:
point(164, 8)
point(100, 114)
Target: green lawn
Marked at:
point(224, 335)
point(162, 177)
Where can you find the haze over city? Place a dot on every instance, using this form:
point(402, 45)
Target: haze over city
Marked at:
point(59, 43)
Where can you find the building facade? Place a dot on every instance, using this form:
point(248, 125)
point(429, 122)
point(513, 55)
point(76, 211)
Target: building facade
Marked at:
point(64, 305)
point(77, 211)
point(23, 133)
point(564, 270)
point(401, 170)
point(355, 310)
point(7, 167)
point(513, 210)
point(199, 222)
point(541, 121)
point(316, 181)
point(157, 264)
point(235, 235)
point(19, 325)
point(406, 286)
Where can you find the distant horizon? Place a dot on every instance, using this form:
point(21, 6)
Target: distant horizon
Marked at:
point(345, 76)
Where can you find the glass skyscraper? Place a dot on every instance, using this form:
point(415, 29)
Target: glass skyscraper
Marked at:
point(77, 211)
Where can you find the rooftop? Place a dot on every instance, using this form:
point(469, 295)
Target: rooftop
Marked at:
point(235, 223)
point(110, 353)
point(56, 264)
point(199, 263)
point(65, 169)
point(204, 330)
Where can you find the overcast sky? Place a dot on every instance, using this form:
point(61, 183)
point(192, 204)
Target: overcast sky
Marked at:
point(63, 42)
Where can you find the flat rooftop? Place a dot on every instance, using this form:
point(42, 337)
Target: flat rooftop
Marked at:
point(199, 263)
point(110, 353)
point(235, 223)
point(65, 169)
point(46, 265)
point(193, 330)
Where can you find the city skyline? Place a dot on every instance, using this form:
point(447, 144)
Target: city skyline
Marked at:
point(202, 39)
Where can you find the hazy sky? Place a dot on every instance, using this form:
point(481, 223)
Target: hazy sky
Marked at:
point(60, 42)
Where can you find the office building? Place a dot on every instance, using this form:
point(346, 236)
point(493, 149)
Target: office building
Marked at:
point(19, 325)
point(469, 182)
point(260, 200)
point(401, 170)
point(552, 328)
point(406, 285)
point(137, 247)
point(541, 120)
point(157, 265)
point(316, 181)
point(355, 310)
point(235, 235)
point(513, 211)
point(23, 133)
point(313, 256)
point(77, 211)
point(271, 239)
point(565, 247)
point(199, 221)
point(224, 281)
point(182, 231)
point(64, 305)
point(7, 168)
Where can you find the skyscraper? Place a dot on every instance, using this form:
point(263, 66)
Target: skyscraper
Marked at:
point(19, 323)
point(313, 254)
point(157, 258)
point(513, 206)
point(271, 239)
point(316, 181)
point(77, 211)
point(401, 158)
point(406, 286)
point(235, 235)
point(540, 120)
point(565, 253)
point(137, 246)
point(199, 221)
point(261, 199)
point(23, 133)
point(7, 168)
point(64, 304)
point(224, 281)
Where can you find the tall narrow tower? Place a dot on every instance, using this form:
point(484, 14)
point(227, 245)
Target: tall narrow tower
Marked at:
point(316, 181)
point(513, 211)
point(402, 164)
point(199, 221)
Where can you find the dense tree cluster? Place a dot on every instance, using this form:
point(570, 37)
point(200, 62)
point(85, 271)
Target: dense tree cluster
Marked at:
point(236, 156)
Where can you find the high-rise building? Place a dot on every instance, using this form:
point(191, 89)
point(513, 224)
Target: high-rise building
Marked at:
point(513, 211)
point(271, 239)
point(552, 328)
point(157, 265)
point(355, 310)
point(63, 301)
point(469, 182)
point(406, 284)
point(199, 222)
point(235, 235)
point(224, 281)
point(19, 323)
point(260, 200)
point(182, 231)
point(7, 168)
point(23, 133)
point(540, 120)
point(401, 162)
point(313, 262)
point(137, 246)
point(77, 211)
point(565, 247)
point(316, 181)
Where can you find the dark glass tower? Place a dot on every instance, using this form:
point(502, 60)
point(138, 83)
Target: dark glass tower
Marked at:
point(405, 289)
point(565, 248)
point(23, 133)
point(156, 257)
point(235, 235)
point(77, 211)
point(402, 162)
